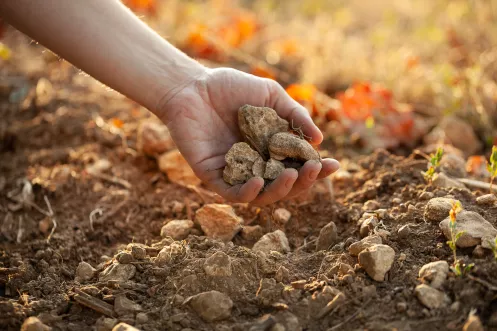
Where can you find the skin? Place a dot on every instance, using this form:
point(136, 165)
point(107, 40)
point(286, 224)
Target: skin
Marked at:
point(199, 105)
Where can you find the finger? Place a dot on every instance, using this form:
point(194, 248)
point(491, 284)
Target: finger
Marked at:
point(294, 112)
point(278, 189)
point(307, 176)
point(329, 166)
point(238, 193)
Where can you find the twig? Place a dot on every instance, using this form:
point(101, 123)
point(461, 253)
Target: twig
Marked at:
point(113, 179)
point(94, 303)
point(52, 218)
point(474, 183)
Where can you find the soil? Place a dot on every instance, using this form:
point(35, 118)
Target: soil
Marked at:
point(48, 148)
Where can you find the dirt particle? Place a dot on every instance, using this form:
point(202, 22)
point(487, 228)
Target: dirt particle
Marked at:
point(177, 229)
point(211, 306)
point(218, 221)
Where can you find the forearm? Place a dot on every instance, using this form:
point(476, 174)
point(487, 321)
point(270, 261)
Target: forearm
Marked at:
point(106, 40)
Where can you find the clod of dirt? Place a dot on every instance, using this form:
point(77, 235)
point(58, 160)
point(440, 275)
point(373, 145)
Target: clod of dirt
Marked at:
point(177, 229)
point(124, 257)
point(218, 265)
point(258, 125)
point(137, 251)
point(377, 261)
point(105, 323)
point(218, 221)
point(282, 215)
point(34, 324)
point(273, 169)
point(141, 318)
point(366, 242)
point(154, 139)
point(174, 165)
point(211, 306)
point(269, 291)
point(286, 145)
point(252, 232)
point(476, 230)
point(430, 297)
point(338, 300)
point(442, 180)
point(124, 327)
point(328, 236)
point(487, 200)
point(404, 231)
point(242, 163)
point(473, 323)
point(123, 306)
point(282, 275)
point(438, 209)
point(84, 272)
point(367, 226)
point(273, 241)
point(117, 272)
point(435, 273)
point(172, 253)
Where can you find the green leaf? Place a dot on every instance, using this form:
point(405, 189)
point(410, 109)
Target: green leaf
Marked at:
point(459, 234)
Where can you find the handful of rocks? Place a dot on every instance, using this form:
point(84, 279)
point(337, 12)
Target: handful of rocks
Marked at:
point(268, 148)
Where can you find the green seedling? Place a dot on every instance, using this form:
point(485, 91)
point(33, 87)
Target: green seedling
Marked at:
point(458, 268)
point(492, 166)
point(493, 246)
point(435, 159)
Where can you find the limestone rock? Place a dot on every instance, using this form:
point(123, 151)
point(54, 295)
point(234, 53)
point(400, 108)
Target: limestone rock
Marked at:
point(366, 242)
point(123, 306)
point(218, 221)
point(177, 229)
point(282, 215)
point(241, 162)
point(273, 169)
point(377, 261)
point(477, 230)
point(172, 253)
point(431, 297)
point(287, 145)
point(438, 209)
point(211, 306)
point(117, 272)
point(435, 273)
point(453, 165)
point(258, 125)
point(218, 265)
point(328, 236)
point(84, 272)
point(273, 241)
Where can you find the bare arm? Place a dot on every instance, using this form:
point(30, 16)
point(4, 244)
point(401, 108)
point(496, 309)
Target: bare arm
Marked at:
point(106, 40)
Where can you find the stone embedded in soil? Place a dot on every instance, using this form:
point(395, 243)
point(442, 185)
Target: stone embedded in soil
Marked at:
point(124, 327)
point(177, 229)
point(34, 324)
point(141, 318)
point(486, 200)
point(154, 139)
point(123, 305)
point(174, 165)
point(282, 215)
point(105, 323)
point(328, 236)
point(137, 251)
point(211, 306)
point(273, 241)
point(473, 323)
point(285, 145)
point(282, 275)
point(476, 230)
point(359, 246)
point(252, 232)
point(84, 272)
point(404, 231)
point(367, 226)
point(287, 321)
point(269, 291)
point(377, 261)
point(453, 165)
point(218, 265)
point(171, 254)
point(273, 169)
point(431, 297)
point(117, 272)
point(124, 257)
point(442, 180)
point(258, 125)
point(240, 161)
point(438, 209)
point(218, 221)
point(435, 273)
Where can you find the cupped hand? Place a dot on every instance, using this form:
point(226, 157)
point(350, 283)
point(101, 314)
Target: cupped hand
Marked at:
point(202, 117)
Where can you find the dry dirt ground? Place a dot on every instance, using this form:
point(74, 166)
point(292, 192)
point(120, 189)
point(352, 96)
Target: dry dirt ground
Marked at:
point(46, 148)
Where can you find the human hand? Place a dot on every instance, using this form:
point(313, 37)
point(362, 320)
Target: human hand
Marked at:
point(202, 117)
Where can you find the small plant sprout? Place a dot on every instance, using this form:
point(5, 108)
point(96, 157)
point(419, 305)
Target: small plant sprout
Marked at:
point(459, 268)
point(434, 163)
point(492, 166)
point(493, 246)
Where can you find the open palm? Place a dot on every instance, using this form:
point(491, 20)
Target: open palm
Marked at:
point(202, 119)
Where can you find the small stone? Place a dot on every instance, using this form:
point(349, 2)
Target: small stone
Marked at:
point(377, 261)
point(44, 92)
point(273, 241)
point(117, 272)
point(328, 236)
point(486, 200)
point(154, 139)
point(172, 253)
point(401, 307)
point(371, 205)
point(124, 257)
point(259, 167)
point(285, 145)
point(218, 265)
point(455, 306)
point(138, 252)
point(105, 323)
point(281, 215)
point(177, 229)
point(282, 275)
point(123, 305)
point(218, 221)
point(473, 323)
point(84, 272)
point(211, 306)
point(277, 327)
point(438, 209)
point(34, 324)
point(141, 318)
point(367, 226)
point(252, 232)
point(402, 257)
point(124, 327)
point(357, 247)
point(426, 196)
point(435, 273)
point(430, 297)
point(476, 230)
point(453, 165)
point(241, 161)
point(442, 180)
point(404, 232)
point(480, 252)
point(273, 169)
point(177, 169)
